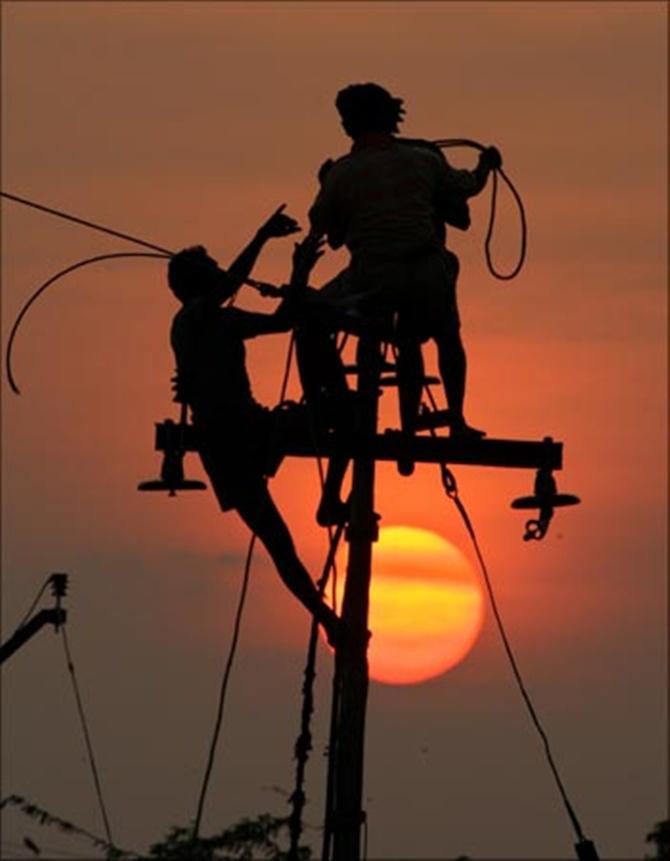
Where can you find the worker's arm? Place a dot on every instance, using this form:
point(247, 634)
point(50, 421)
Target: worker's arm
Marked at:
point(305, 255)
point(325, 216)
point(455, 186)
point(277, 225)
point(471, 182)
point(225, 283)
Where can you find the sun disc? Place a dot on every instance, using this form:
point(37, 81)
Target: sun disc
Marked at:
point(426, 606)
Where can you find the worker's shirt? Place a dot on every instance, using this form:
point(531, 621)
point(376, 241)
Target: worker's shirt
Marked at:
point(388, 198)
point(208, 343)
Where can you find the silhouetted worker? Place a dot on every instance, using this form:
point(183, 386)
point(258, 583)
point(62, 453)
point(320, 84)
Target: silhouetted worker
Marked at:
point(387, 201)
point(234, 431)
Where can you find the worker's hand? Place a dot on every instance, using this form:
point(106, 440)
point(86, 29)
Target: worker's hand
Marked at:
point(305, 255)
point(491, 158)
point(324, 170)
point(278, 225)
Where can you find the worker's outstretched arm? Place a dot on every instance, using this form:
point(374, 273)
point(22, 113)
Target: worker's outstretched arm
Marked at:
point(277, 225)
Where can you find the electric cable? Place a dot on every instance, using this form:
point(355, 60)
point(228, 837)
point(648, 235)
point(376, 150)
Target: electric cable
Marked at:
point(34, 604)
point(87, 736)
point(86, 223)
point(37, 293)
point(501, 276)
point(162, 252)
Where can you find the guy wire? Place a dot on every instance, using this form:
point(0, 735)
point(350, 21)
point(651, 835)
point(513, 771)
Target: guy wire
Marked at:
point(87, 736)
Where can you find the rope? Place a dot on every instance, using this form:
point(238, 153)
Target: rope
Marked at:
point(501, 276)
point(451, 490)
point(24, 310)
point(87, 736)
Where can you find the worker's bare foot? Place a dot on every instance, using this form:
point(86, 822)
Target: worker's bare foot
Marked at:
point(461, 430)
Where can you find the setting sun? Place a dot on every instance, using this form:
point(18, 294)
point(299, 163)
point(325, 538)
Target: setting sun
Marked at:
point(426, 606)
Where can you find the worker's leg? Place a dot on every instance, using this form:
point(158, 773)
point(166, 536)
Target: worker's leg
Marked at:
point(410, 370)
point(321, 374)
point(332, 509)
point(260, 514)
point(453, 367)
point(330, 402)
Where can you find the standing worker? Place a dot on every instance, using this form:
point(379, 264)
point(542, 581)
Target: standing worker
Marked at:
point(387, 201)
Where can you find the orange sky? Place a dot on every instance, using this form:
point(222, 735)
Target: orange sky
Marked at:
point(189, 122)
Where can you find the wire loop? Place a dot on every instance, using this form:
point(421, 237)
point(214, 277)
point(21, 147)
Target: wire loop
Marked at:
point(501, 276)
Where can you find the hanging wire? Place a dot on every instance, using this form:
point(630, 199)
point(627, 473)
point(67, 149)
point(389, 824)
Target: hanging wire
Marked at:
point(224, 687)
point(24, 310)
point(87, 736)
point(501, 276)
point(451, 490)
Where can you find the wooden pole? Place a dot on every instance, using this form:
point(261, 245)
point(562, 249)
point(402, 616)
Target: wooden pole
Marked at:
point(351, 653)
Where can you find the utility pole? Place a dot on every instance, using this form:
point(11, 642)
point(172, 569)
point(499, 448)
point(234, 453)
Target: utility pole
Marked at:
point(344, 813)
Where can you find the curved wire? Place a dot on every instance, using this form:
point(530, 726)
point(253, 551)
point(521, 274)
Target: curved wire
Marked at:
point(24, 310)
point(446, 143)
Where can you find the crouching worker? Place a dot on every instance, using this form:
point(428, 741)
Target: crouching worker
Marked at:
point(233, 430)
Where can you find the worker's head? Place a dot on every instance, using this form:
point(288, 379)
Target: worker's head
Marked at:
point(192, 273)
point(368, 108)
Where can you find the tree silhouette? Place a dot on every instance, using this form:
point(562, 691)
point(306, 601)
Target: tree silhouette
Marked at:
point(660, 837)
point(246, 840)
